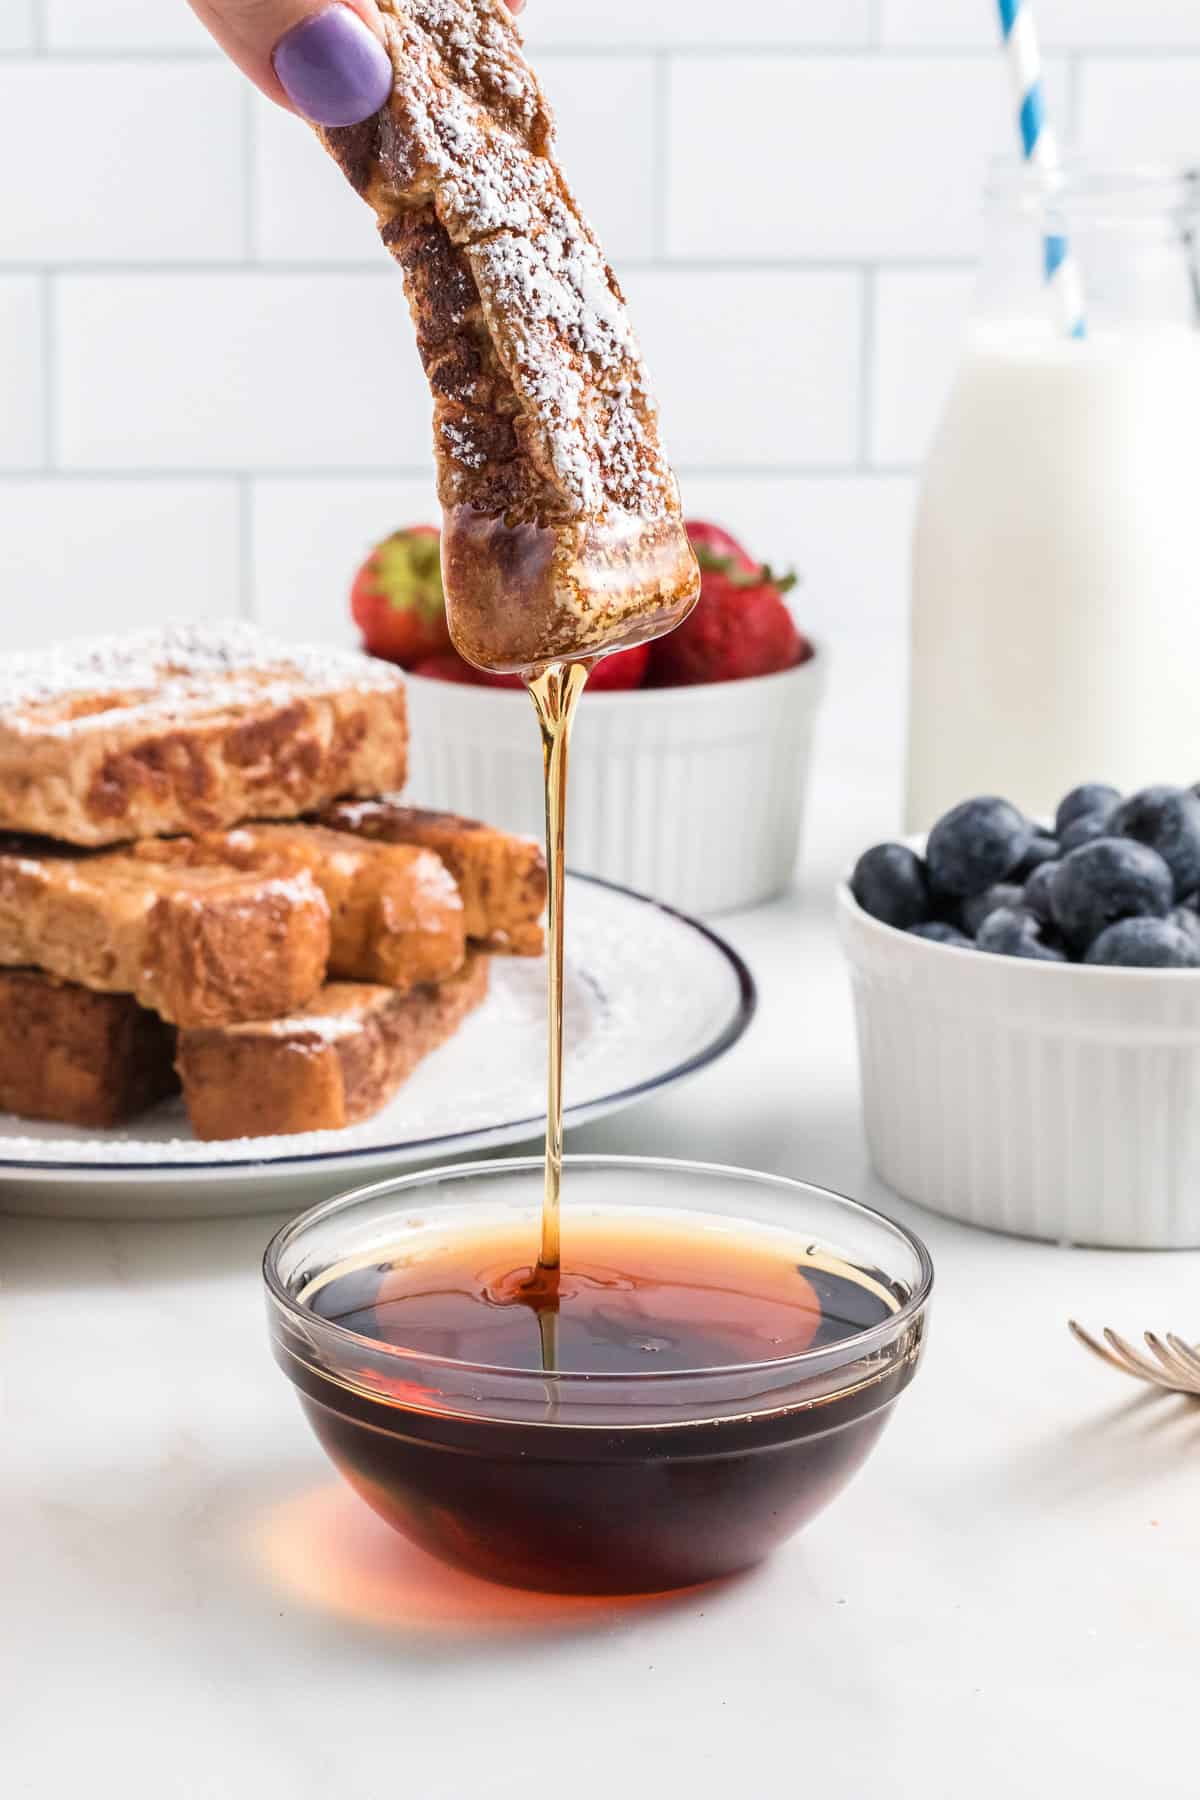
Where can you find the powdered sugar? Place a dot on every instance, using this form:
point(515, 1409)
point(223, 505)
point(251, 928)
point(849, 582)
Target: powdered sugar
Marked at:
point(173, 669)
point(470, 114)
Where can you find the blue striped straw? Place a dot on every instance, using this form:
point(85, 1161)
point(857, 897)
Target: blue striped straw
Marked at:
point(1040, 147)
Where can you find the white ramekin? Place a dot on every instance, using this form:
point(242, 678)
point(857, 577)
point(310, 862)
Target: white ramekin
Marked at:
point(694, 795)
point(1047, 1099)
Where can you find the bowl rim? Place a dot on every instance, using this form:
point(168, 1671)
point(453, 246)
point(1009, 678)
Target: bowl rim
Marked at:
point(850, 909)
point(845, 1351)
point(812, 670)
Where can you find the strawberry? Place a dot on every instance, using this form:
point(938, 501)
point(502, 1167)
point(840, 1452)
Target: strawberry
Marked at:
point(397, 600)
point(618, 673)
point(705, 536)
point(623, 670)
point(740, 626)
point(447, 665)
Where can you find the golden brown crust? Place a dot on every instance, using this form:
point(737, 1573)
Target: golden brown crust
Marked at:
point(199, 946)
point(332, 1066)
point(544, 423)
point(77, 1057)
point(396, 916)
point(190, 729)
point(502, 879)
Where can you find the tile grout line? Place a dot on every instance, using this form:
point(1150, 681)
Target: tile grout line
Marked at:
point(661, 154)
point(900, 53)
point(245, 488)
point(635, 265)
point(357, 474)
point(39, 28)
point(249, 147)
point(49, 368)
point(1074, 97)
point(868, 313)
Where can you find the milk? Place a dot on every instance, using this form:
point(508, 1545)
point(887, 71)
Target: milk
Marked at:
point(1056, 572)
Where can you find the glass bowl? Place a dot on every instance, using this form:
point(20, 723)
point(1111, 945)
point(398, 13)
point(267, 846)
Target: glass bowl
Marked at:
point(589, 1481)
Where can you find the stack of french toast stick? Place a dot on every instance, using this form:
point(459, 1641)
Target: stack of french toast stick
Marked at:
point(208, 885)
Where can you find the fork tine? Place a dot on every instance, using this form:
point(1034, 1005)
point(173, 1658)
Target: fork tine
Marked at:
point(1177, 1369)
point(1185, 1352)
point(1124, 1365)
point(1097, 1349)
point(1133, 1363)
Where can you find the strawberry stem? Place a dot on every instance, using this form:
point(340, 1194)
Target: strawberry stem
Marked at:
point(762, 575)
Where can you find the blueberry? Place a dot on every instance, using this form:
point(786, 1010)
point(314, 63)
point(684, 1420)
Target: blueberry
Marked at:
point(976, 910)
point(1187, 921)
point(938, 932)
point(1036, 897)
point(1110, 879)
point(1042, 849)
point(1011, 931)
point(975, 844)
point(1146, 944)
point(1092, 797)
point(889, 883)
point(1084, 830)
point(1168, 819)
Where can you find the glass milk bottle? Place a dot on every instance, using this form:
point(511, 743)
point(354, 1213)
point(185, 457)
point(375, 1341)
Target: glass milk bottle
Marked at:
point(1056, 571)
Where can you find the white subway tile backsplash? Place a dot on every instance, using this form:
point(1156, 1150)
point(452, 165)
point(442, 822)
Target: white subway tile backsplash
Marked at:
point(605, 109)
point(792, 212)
point(16, 25)
point(920, 316)
point(1063, 24)
point(86, 557)
point(89, 176)
point(846, 536)
point(854, 157)
point(305, 211)
point(752, 368)
point(22, 429)
point(1140, 106)
point(124, 25)
point(599, 24)
point(309, 537)
point(239, 371)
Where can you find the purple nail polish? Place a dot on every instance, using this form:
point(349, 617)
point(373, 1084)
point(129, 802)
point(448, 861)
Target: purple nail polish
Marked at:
point(333, 68)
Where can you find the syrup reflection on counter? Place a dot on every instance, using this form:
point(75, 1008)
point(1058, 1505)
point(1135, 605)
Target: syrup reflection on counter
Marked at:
point(324, 1549)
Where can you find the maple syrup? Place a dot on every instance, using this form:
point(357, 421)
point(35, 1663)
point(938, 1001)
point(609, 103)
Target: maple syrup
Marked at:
point(465, 1445)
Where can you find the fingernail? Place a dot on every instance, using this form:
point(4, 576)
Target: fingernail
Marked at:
point(332, 68)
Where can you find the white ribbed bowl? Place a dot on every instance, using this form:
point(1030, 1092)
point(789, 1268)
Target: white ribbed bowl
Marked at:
point(694, 795)
point(1051, 1100)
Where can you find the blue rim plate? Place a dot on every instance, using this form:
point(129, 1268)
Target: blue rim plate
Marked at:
point(616, 957)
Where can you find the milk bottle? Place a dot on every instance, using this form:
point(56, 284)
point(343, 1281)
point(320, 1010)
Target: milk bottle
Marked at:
point(1056, 570)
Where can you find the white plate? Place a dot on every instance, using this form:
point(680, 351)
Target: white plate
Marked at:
point(651, 996)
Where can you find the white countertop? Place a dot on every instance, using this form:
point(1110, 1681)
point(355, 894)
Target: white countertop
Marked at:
point(1003, 1604)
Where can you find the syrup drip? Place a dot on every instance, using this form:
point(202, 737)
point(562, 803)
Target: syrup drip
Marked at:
point(555, 693)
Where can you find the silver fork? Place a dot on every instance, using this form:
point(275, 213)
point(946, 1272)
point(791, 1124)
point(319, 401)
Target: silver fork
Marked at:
point(1177, 1367)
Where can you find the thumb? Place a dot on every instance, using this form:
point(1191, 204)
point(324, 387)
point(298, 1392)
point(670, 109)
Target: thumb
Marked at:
point(324, 61)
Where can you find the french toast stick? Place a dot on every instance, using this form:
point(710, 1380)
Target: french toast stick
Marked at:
point(76, 1057)
point(502, 878)
point(395, 912)
point(199, 946)
point(563, 535)
point(108, 740)
point(334, 1064)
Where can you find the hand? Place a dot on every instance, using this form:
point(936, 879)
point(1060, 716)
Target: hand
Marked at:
point(326, 62)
